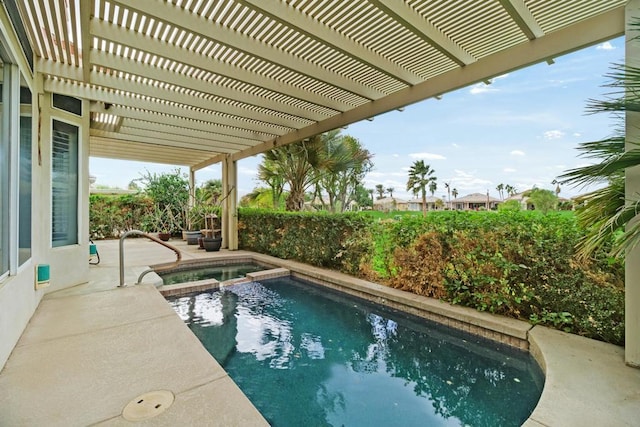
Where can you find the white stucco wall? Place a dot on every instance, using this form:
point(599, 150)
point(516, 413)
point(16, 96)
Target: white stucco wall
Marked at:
point(69, 265)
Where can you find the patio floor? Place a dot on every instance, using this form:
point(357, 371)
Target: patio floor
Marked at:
point(91, 349)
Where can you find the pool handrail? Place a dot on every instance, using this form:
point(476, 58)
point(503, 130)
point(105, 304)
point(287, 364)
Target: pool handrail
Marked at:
point(150, 237)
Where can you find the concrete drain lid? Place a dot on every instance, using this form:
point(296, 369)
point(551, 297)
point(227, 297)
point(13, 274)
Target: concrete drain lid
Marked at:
point(148, 405)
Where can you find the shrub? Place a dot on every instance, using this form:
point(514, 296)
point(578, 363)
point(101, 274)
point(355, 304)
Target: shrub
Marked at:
point(111, 215)
point(336, 241)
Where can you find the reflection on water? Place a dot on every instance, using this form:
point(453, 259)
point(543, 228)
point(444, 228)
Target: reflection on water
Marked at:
point(307, 356)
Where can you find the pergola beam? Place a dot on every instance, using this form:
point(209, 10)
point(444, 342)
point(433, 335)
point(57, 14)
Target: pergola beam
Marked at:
point(523, 17)
point(426, 31)
point(293, 18)
point(190, 22)
point(182, 123)
point(225, 125)
point(585, 33)
point(126, 65)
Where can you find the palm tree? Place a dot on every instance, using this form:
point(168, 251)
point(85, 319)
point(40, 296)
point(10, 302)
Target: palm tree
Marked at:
point(447, 186)
point(294, 164)
point(606, 211)
point(433, 186)
point(454, 193)
point(500, 188)
point(390, 191)
point(380, 191)
point(511, 190)
point(420, 178)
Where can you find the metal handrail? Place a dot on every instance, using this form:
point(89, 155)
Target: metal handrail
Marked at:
point(155, 239)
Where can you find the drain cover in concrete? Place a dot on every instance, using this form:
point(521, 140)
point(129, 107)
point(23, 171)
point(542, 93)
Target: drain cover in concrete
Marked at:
point(148, 405)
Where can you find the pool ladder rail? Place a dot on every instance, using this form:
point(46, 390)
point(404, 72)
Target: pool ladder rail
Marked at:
point(155, 239)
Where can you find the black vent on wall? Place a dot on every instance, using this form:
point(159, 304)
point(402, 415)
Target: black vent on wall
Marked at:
point(67, 103)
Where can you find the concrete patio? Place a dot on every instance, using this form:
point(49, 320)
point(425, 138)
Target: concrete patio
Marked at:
point(91, 349)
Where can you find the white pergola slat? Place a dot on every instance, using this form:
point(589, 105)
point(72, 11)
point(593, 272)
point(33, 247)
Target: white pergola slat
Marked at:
point(238, 77)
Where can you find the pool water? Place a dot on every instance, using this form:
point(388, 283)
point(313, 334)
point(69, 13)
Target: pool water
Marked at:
point(219, 273)
point(308, 356)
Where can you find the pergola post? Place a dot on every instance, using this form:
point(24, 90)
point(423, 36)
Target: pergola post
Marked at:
point(230, 204)
point(632, 191)
point(192, 188)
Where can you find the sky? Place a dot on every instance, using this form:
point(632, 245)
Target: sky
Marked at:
point(521, 130)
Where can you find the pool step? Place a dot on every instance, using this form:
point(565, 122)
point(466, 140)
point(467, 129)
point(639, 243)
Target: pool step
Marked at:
point(188, 287)
point(268, 274)
point(209, 284)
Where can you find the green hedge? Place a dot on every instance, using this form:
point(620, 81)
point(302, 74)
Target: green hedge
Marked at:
point(336, 241)
point(518, 264)
point(111, 215)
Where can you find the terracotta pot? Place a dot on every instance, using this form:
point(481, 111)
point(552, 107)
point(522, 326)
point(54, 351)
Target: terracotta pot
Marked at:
point(164, 236)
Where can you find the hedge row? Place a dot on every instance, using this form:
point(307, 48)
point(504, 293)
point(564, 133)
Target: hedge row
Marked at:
point(111, 215)
point(518, 264)
point(336, 241)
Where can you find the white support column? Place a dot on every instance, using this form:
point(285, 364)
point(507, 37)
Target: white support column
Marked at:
point(632, 192)
point(192, 188)
point(230, 204)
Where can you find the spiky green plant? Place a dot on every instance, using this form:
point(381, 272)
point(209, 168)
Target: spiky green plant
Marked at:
point(605, 212)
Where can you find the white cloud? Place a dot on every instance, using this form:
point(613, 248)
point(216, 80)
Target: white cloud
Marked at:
point(479, 88)
point(605, 46)
point(454, 145)
point(247, 171)
point(396, 155)
point(517, 153)
point(553, 134)
point(468, 181)
point(428, 156)
point(509, 170)
point(577, 134)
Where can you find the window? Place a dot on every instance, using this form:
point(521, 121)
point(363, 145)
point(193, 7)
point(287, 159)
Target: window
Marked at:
point(67, 103)
point(64, 184)
point(24, 193)
point(4, 179)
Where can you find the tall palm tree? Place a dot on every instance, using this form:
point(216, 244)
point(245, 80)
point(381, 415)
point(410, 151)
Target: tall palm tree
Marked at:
point(454, 193)
point(295, 165)
point(511, 190)
point(433, 186)
point(380, 191)
point(447, 186)
point(390, 190)
point(420, 178)
point(606, 211)
point(500, 189)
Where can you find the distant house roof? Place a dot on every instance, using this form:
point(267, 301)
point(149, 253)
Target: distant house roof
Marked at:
point(475, 198)
point(386, 200)
point(430, 199)
point(519, 196)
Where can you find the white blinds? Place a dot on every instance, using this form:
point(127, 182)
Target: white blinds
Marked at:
point(64, 184)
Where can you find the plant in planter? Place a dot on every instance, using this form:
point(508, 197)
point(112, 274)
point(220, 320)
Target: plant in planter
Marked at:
point(164, 222)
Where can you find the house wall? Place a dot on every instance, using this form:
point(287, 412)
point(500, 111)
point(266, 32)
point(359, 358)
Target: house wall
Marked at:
point(69, 265)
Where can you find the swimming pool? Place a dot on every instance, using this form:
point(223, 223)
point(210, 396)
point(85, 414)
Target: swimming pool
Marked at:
point(220, 273)
point(305, 355)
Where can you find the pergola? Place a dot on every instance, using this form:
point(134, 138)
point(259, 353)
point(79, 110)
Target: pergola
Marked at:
point(199, 82)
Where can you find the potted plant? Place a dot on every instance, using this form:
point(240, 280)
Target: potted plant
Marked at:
point(212, 240)
point(164, 222)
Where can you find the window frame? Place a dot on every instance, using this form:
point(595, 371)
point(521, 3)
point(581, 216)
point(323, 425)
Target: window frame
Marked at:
point(78, 194)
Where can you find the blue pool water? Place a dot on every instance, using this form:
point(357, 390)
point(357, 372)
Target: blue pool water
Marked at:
point(307, 356)
point(218, 272)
